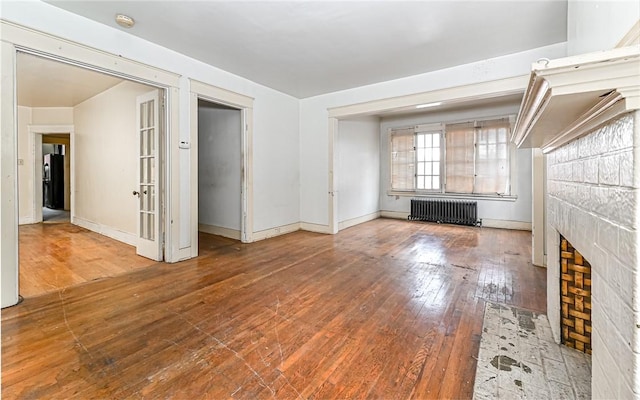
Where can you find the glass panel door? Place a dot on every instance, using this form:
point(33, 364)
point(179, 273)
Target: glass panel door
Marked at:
point(149, 244)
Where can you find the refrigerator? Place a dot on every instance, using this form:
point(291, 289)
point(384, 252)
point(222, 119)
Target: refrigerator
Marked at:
point(53, 181)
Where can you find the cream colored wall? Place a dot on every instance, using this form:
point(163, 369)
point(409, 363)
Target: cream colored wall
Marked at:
point(33, 116)
point(106, 154)
point(52, 116)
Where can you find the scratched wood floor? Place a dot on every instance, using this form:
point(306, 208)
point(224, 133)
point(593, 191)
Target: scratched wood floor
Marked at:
point(388, 309)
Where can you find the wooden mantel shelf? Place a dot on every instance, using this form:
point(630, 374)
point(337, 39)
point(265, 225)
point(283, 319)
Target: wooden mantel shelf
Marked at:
point(569, 97)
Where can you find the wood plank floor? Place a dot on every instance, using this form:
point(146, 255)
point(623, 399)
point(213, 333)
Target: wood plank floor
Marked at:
point(387, 309)
point(54, 256)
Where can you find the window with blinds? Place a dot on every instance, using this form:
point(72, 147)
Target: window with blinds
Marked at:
point(473, 158)
point(403, 159)
point(416, 155)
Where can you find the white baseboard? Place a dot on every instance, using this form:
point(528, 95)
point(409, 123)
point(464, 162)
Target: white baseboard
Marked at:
point(486, 222)
point(125, 237)
point(394, 214)
point(358, 220)
point(504, 224)
point(26, 220)
point(307, 226)
point(277, 231)
point(220, 231)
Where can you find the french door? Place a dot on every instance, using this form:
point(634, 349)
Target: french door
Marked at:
point(149, 243)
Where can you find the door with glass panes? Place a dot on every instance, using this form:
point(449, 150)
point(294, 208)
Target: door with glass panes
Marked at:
point(149, 243)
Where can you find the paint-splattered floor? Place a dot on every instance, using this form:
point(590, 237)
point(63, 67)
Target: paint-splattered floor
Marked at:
point(519, 359)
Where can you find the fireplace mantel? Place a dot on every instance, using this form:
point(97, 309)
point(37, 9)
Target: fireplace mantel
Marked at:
point(569, 97)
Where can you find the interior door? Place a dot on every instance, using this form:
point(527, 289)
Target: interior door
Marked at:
point(149, 242)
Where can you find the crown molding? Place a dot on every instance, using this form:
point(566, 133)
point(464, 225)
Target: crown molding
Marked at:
point(569, 97)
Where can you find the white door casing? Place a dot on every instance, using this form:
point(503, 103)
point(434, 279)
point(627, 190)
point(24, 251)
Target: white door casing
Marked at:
point(204, 91)
point(149, 242)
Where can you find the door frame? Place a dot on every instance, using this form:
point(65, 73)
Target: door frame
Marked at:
point(16, 38)
point(35, 136)
point(204, 91)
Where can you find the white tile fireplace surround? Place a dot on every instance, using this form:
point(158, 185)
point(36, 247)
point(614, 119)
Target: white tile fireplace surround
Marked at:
point(582, 111)
point(592, 200)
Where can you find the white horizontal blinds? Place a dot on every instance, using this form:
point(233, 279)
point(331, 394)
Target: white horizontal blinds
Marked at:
point(459, 158)
point(492, 157)
point(402, 159)
point(428, 160)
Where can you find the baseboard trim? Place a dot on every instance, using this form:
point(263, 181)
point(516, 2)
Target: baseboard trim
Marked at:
point(394, 214)
point(317, 228)
point(26, 220)
point(125, 237)
point(220, 231)
point(358, 220)
point(504, 224)
point(277, 231)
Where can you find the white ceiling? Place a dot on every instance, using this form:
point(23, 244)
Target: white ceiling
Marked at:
point(45, 83)
point(306, 48)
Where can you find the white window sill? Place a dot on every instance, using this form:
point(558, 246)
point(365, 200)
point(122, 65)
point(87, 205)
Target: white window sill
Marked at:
point(452, 195)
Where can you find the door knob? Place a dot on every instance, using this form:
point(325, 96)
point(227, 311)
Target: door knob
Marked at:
point(135, 193)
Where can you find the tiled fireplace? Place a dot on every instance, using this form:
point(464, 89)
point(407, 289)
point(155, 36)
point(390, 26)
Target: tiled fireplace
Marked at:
point(583, 112)
point(592, 200)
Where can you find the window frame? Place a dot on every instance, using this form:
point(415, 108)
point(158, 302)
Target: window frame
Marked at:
point(441, 192)
point(424, 130)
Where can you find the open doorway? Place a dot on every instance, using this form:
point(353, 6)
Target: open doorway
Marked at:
point(56, 178)
point(219, 169)
point(90, 149)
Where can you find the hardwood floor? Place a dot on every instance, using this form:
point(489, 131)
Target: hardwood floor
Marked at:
point(387, 309)
point(54, 256)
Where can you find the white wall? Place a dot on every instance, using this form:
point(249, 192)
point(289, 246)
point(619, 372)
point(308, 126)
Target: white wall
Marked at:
point(598, 25)
point(219, 167)
point(33, 116)
point(593, 195)
point(275, 115)
point(314, 121)
point(106, 158)
point(358, 152)
point(499, 210)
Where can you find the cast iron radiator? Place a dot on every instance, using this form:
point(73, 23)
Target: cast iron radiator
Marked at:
point(458, 212)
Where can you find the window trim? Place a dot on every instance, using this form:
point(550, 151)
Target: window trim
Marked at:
point(512, 150)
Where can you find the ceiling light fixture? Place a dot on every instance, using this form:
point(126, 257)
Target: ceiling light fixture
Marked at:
point(125, 21)
point(429, 105)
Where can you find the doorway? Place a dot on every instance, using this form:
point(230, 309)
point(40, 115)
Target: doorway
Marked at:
point(225, 107)
point(56, 178)
point(83, 157)
point(219, 169)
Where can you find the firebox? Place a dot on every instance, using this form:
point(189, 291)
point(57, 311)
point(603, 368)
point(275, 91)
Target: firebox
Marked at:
point(575, 298)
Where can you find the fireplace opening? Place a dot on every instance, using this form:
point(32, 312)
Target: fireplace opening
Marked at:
point(575, 298)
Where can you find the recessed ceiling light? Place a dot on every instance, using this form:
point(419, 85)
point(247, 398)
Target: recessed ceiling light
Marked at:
point(428, 105)
point(124, 21)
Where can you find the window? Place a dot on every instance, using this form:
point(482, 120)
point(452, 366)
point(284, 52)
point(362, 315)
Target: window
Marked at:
point(428, 160)
point(416, 156)
point(402, 160)
point(473, 158)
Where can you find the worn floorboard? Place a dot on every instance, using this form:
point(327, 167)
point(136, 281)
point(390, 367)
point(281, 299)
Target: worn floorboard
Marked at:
point(387, 309)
